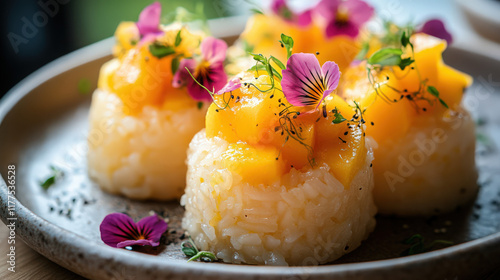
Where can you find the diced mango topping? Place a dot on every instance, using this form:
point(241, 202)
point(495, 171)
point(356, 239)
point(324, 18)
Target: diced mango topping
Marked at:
point(254, 122)
point(141, 79)
point(256, 165)
point(262, 32)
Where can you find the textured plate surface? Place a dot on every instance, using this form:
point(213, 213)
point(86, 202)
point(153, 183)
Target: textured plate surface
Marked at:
point(43, 122)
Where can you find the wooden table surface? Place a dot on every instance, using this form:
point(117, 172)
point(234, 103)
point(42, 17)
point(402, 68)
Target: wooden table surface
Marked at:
point(29, 264)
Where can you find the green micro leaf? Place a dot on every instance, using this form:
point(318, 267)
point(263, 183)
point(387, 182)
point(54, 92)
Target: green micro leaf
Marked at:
point(278, 62)
point(338, 117)
point(189, 252)
point(443, 103)
point(84, 86)
point(175, 64)
point(200, 105)
point(259, 57)
point(258, 67)
point(48, 182)
point(405, 39)
point(160, 51)
point(405, 62)
point(386, 57)
point(256, 11)
point(287, 42)
point(432, 90)
point(178, 39)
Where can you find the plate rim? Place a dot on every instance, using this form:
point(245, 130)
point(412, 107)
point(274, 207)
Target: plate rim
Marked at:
point(79, 244)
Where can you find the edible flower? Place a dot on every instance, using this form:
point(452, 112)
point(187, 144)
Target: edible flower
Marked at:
point(436, 28)
point(233, 84)
point(344, 17)
point(119, 230)
point(149, 22)
point(280, 8)
point(305, 83)
point(208, 71)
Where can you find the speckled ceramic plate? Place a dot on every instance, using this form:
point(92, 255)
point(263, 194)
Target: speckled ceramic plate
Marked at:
point(43, 122)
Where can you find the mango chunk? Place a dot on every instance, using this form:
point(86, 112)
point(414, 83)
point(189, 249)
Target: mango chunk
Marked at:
point(256, 165)
point(342, 145)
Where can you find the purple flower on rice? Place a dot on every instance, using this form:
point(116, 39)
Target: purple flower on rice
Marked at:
point(149, 22)
point(280, 8)
point(344, 17)
point(209, 71)
point(305, 83)
point(119, 230)
point(436, 28)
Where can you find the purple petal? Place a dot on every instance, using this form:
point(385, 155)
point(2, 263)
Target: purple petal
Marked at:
point(278, 5)
point(151, 228)
point(149, 19)
point(436, 28)
point(182, 76)
point(303, 81)
point(233, 84)
point(331, 76)
point(213, 81)
point(304, 18)
point(359, 11)
point(213, 50)
point(327, 9)
point(118, 227)
point(335, 29)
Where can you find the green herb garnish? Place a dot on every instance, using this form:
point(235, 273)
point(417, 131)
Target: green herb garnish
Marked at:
point(178, 38)
point(175, 64)
point(84, 86)
point(418, 246)
point(56, 174)
point(287, 43)
point(200, 105)
point(190, 250)
point(160, 51)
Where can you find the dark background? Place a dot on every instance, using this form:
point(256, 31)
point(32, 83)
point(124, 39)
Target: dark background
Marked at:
point(35, 32)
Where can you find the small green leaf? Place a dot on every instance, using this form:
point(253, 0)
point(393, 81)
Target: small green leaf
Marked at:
point(405, 62)
point(432, 90)
point(200, 105)
point(364, 50)
point(204, 256)
point(256, 11)
point(178, 39)
point(287, 42)
point(405, 39)
point(259, 57)
point(278, 62)
point(160, 51)
point(189, 252)
point(258, 67)
point(84, 86)
point(443, 103)
point(48, 182)
point(338, 117)
point(386, 57)
point(175, 64)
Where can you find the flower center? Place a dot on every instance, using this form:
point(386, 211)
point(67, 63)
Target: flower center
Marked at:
point(202, 72)
point(342, 16)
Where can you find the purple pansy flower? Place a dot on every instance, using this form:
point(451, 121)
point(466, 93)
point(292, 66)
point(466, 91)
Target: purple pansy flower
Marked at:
point(280, 8)
point(344, 17)
point(119, 230)
point(209, 71)
point(436, 28)
point(149, 22)
point(305, 83)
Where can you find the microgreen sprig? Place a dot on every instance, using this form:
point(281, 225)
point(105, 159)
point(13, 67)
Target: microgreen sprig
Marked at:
point(394, 56)
point(190, 250)
point(55, 175)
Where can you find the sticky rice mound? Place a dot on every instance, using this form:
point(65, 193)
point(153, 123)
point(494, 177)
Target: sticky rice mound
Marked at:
point(306, 217)
point(136, 156)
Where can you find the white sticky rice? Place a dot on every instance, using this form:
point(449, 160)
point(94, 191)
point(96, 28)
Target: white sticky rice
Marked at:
point(429, 171)
point(143, 156)
point(305, 218)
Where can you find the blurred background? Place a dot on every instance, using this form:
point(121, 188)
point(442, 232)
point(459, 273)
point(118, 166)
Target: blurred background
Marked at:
point(36, 32)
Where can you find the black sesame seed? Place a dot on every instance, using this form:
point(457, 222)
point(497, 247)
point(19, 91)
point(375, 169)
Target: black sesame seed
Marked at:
point(317, 53)
point(345, 133)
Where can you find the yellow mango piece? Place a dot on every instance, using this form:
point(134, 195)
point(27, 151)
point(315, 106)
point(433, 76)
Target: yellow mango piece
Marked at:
point(127, 36)
point(452, 84)
point(341, 146)
point(256, 165)
point(141, 79)
point(250, 115)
